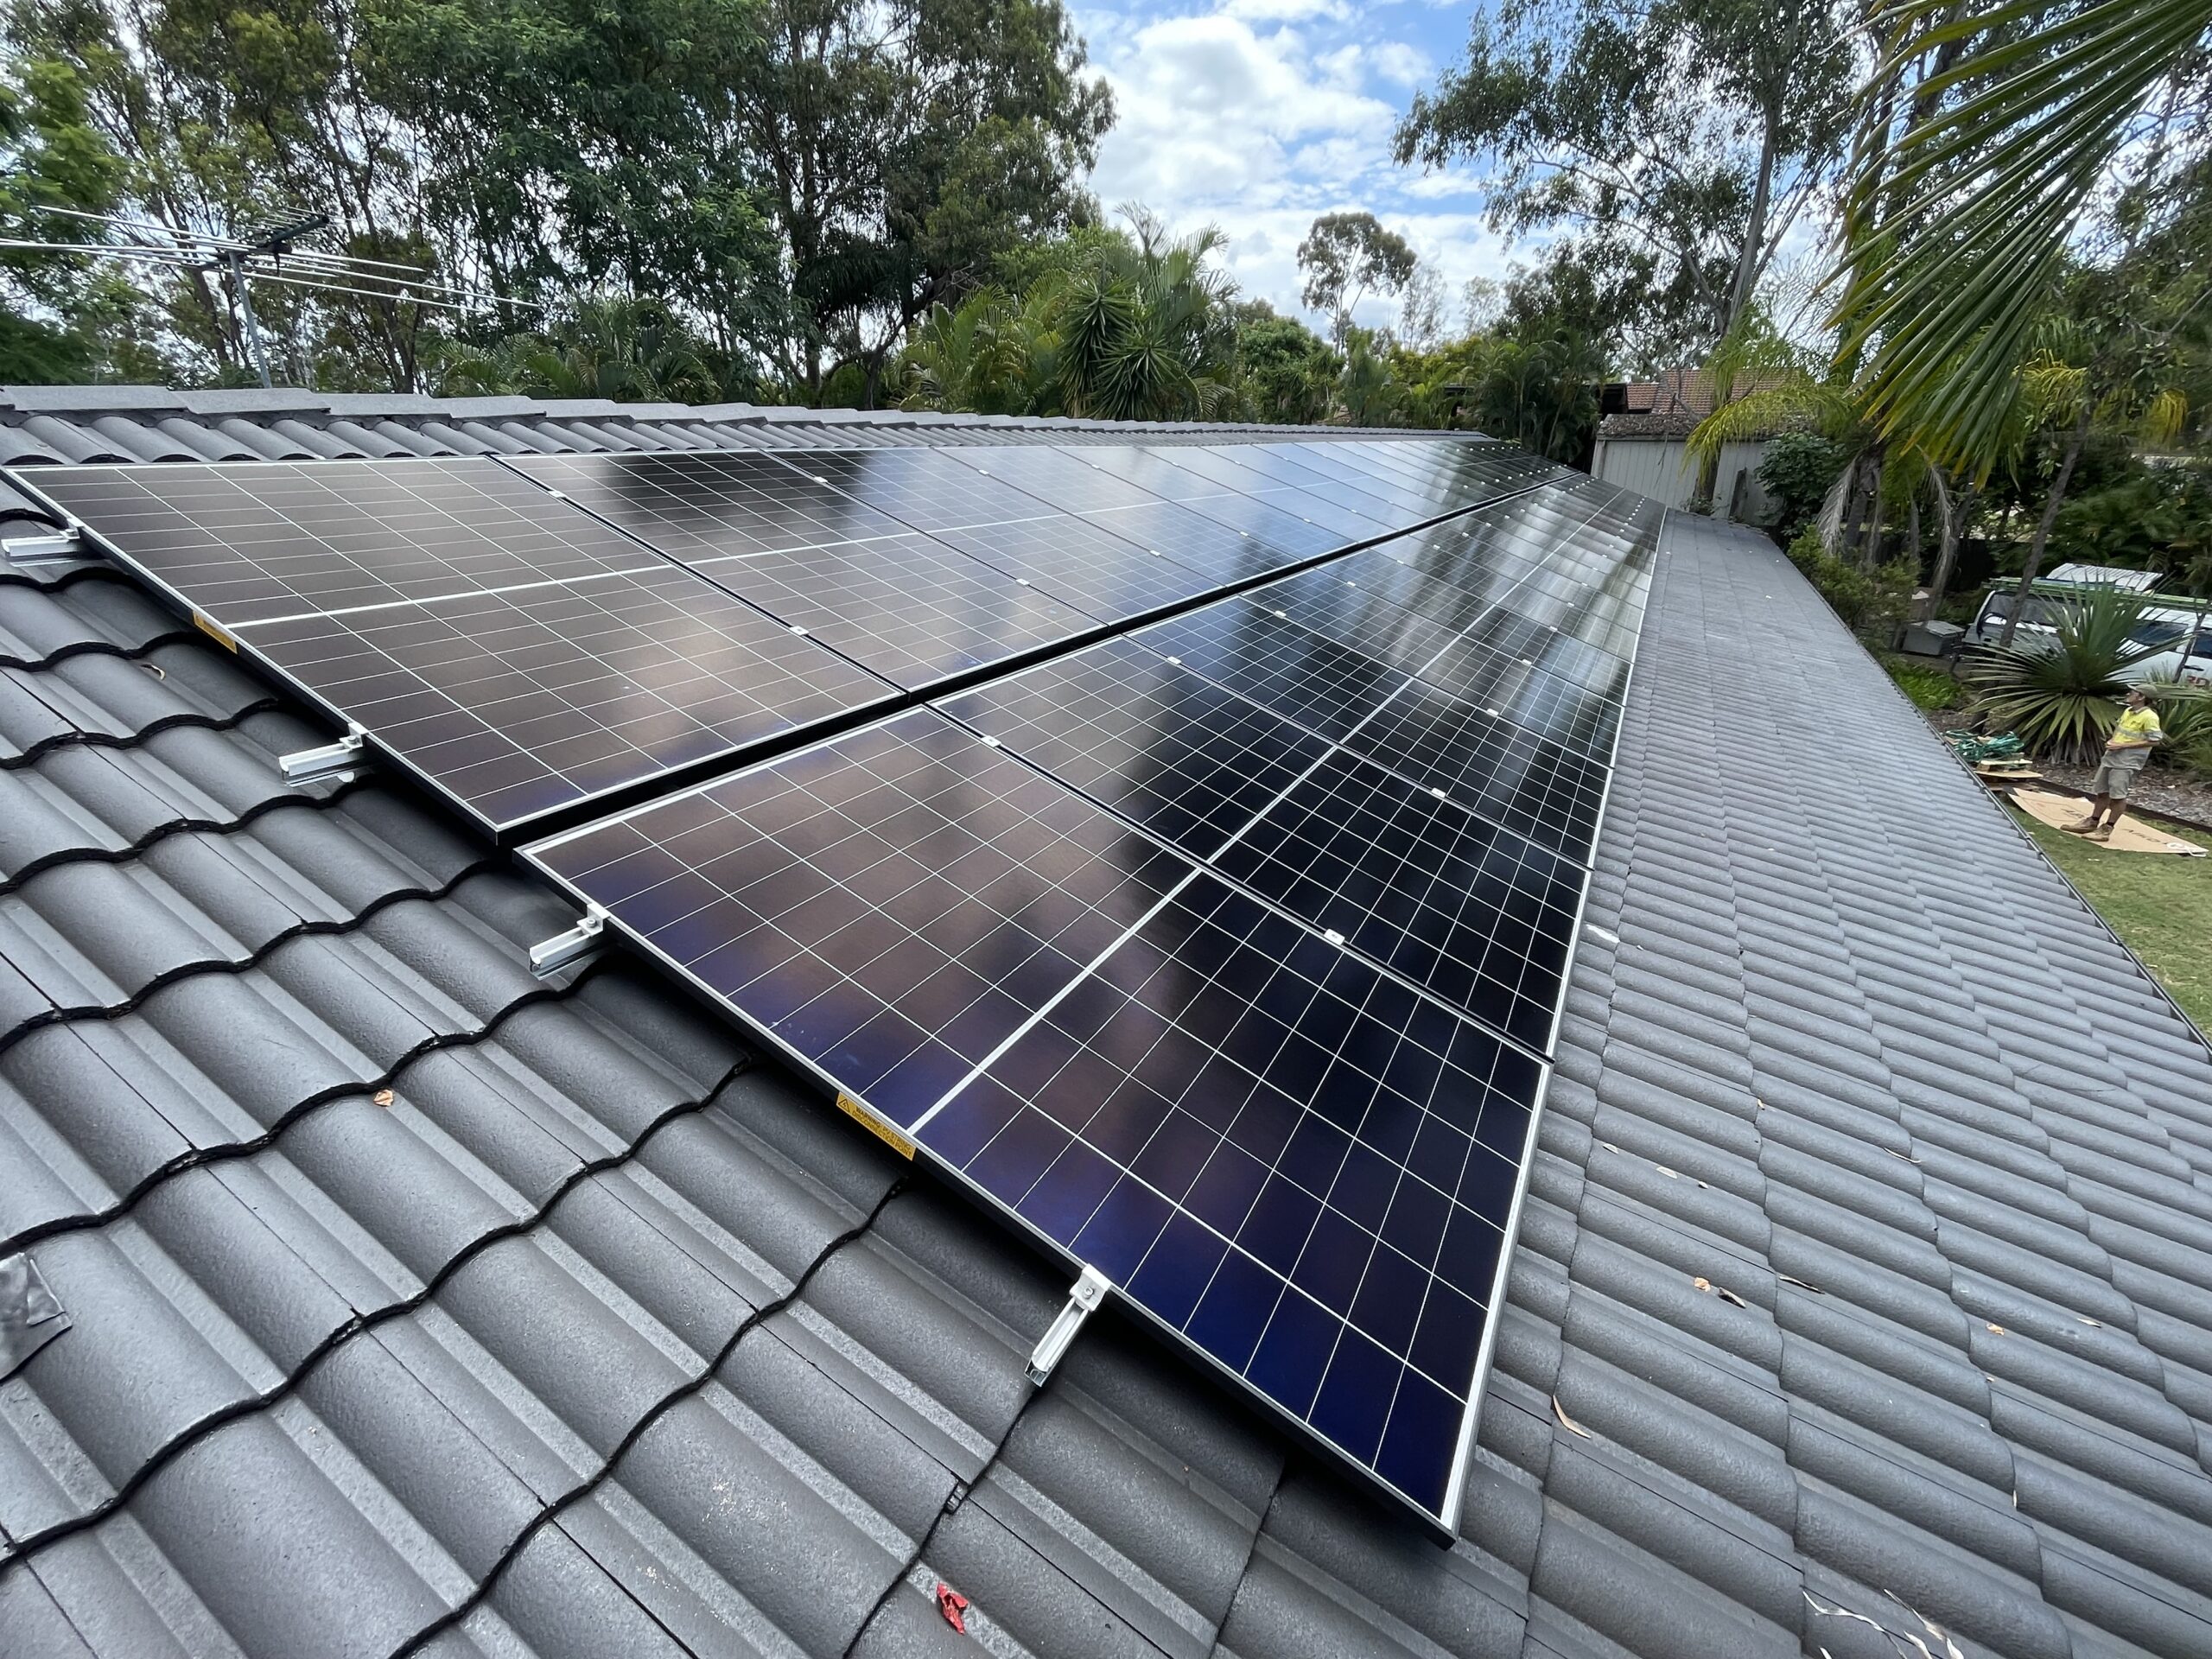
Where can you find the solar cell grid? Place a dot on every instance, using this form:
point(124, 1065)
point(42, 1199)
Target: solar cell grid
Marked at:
point(702, 508)
point(1220, 468)
point(1256, 470)
point(1511, 774)
point(521, 702)
point(1190, 761)
point(1321, 601)
point(1480, 916)
point(1293, 1160)
point(890, 905)
point(244, 543)
point(1324, 686)
point(1286, 534)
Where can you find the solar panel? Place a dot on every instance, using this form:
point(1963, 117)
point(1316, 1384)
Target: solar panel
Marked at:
point(1476, 914)
point(1221, 465)
point(1188, 761)
point(1099, 572)
point(903, 604)
point(1290, 535)
point(1326, 687)
point(247, 542)
point(517, 655)
point(1063, 478)
point(1282, 1153)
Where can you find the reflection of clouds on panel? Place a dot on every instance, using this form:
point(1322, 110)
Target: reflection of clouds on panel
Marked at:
point(1259, 115)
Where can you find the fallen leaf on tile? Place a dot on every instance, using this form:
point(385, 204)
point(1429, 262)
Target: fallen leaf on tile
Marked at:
point(1568, 1422)
point(383, 1096)
point(1996, 1330)
point(1786, 1279)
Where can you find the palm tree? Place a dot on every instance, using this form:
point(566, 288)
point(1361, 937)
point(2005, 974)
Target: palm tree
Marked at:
point(1964, 194)
point(1144, 326)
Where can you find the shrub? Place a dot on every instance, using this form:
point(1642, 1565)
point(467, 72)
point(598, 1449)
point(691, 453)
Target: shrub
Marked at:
point(2185, 715)
point(1930, 688)
point(1873, 602)
point(1796, 473)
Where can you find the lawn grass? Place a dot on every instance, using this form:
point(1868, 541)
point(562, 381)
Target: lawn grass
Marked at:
point(2161, 907)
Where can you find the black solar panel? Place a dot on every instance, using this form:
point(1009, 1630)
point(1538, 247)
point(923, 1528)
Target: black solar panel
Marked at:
point(1289, 1156)
point(248, 542)
point(518, 654)
point(1289, 536)
point(905, 604)
point(520, 703)
point(1191, 762)
point(1322, 685)
point(1223, 466)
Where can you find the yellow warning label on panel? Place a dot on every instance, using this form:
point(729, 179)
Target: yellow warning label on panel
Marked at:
point(215, 629)
point(875, 1126)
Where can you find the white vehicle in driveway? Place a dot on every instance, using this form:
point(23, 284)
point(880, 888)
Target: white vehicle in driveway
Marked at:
point(2180, 628)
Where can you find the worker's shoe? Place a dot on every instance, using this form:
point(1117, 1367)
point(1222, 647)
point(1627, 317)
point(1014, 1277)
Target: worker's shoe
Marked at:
point(2104, 834)
point(2087, 826)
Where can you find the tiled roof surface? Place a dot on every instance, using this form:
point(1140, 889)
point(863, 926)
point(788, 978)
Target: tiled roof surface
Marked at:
point(421, 1306)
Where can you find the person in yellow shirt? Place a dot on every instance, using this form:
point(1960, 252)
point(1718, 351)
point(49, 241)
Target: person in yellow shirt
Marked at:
point(2126, 751)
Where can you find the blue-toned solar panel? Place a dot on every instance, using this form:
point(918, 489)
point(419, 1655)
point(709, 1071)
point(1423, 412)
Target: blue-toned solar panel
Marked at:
point(1190, 761)
point(1293, 1159)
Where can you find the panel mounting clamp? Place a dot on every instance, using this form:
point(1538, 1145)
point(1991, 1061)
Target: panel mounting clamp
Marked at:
point(1082, 1302)
point(63, 544)
point(549, 957)
point(304, 765)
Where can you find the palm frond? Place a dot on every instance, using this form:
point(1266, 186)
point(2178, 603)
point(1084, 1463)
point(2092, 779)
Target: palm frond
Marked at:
point(1799, 400)
point(1954, 235)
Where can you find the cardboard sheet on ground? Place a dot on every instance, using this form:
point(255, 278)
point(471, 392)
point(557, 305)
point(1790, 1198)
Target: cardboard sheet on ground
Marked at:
point(2133, 835)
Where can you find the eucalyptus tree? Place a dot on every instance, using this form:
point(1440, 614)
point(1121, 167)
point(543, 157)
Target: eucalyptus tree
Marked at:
point(1346, 257)
point(1682, 138)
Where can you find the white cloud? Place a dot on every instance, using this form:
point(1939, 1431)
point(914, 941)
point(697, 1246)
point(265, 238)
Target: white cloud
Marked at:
point(1259, 115)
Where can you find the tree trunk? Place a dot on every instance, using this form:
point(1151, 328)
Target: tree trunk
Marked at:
point(1870, 552)
point(1955, 510)
point(2050, 507)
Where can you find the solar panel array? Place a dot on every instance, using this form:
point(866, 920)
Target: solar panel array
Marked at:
point(1181, 843)
point(1225, 952)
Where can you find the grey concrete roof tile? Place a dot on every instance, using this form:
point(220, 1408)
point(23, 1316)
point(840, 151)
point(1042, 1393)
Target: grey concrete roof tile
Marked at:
point(92, 613)
point(1978, 1519)
point(2097, 1589)
point(1648, 1606)
point(1891, 1554)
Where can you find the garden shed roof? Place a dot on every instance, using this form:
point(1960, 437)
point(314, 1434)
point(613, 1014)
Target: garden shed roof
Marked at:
point(416, 1306)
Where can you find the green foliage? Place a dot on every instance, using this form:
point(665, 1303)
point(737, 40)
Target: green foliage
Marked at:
point(1797, 472)
point(1871, 602)
point(1287, 370)
point(1542, 395)
point(2148, 518)
point(1931, 688)
point(794, 183)
point(1966, 198)
point(2062, 693)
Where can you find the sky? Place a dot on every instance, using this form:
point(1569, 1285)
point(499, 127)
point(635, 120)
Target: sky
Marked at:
point(1259, 115)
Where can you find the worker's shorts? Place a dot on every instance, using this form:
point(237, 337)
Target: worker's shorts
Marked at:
point(2114, 777)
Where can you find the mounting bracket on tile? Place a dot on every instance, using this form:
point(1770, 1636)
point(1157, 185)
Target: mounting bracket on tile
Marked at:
point(549, 957)
point(303, 765)
point(64, 544)
point(1082, 1302)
